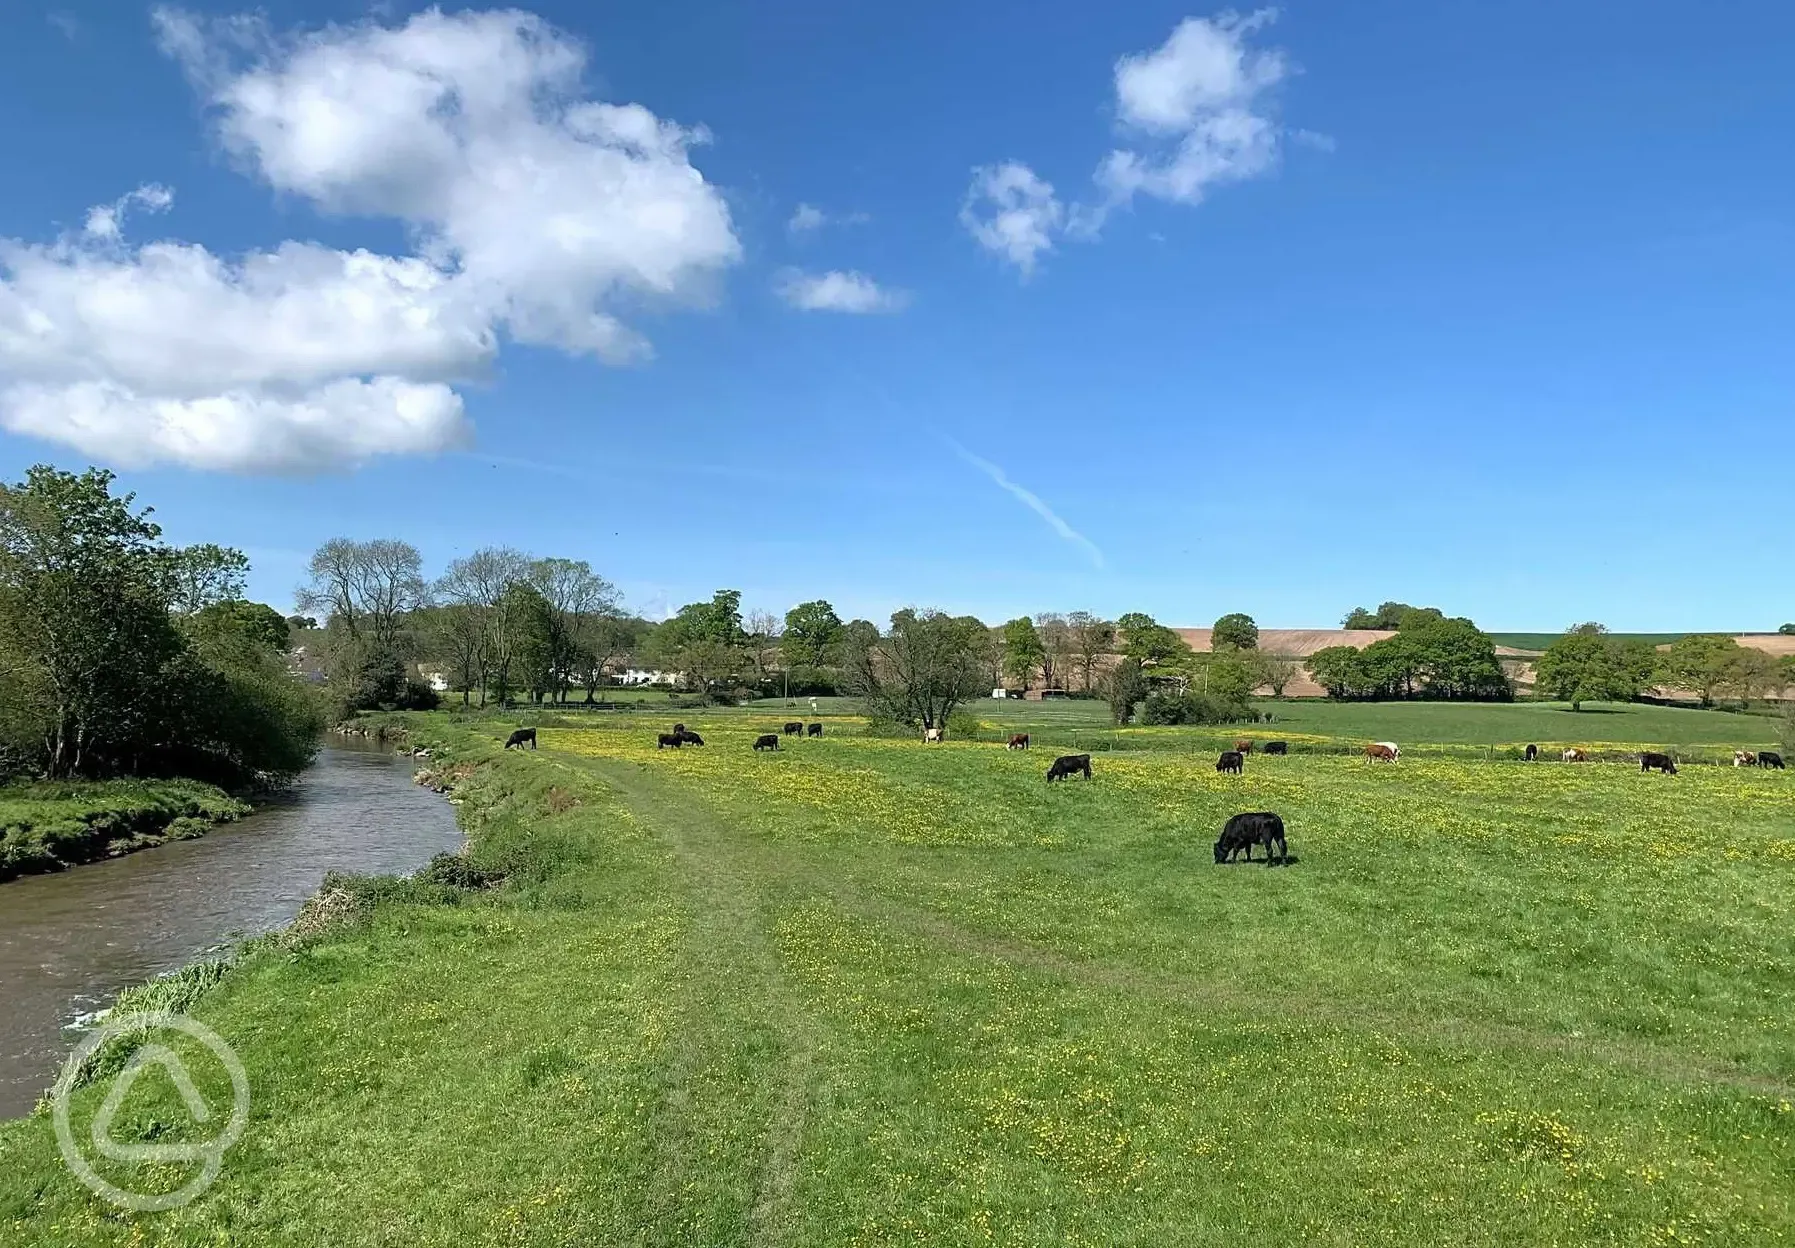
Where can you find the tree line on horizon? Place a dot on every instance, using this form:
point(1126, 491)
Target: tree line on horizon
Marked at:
point(123, 655)
point(504, 625)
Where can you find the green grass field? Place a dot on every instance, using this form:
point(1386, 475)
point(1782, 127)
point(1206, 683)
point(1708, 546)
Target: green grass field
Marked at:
point(1084, 722)
point(868, 992)
point(1539, 641)
point(46, 826)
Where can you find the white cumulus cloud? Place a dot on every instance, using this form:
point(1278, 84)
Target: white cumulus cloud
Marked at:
point(1203, 68)
point(836, 291)
point(1013, 212)
point(1192, 114)
point(1201, 101)
point(538, 215)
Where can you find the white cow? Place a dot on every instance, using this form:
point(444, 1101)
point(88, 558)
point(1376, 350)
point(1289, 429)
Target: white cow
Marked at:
point(931, 734)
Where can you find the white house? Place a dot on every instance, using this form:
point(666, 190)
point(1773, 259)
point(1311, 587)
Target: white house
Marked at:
point(638, 676)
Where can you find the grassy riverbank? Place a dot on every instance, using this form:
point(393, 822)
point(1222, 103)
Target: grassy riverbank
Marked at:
point(48, 826)
point(866, 992)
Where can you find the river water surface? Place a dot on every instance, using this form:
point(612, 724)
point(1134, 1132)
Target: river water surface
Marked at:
point(70, 942)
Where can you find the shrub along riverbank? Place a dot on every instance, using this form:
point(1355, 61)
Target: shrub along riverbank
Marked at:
point(865, 991)
point(50, 825)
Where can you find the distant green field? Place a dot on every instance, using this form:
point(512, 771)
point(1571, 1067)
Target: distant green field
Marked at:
point(1085, 722)
point(1539, 641)
point(1504, 723)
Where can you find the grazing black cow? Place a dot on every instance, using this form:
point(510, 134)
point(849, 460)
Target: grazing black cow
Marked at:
point(1651, 760)
point(1770, 758)
point(1275, 747)
point(670, 741)
point(1231, 760)
point(767, 742)
point(1532, 752)
point(1245, 831)
point(686, 735)
point(813, 730)
point(1068, 764)
point(520, 736)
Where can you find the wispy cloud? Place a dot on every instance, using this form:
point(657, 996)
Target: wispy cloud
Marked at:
point(836, 291)
point(809, 218)
point(1030, 500)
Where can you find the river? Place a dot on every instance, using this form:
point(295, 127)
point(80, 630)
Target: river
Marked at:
point(69, 942)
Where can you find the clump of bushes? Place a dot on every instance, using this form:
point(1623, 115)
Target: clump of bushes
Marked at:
point(1195, 707)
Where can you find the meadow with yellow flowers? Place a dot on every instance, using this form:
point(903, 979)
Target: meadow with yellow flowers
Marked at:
point(864, 991)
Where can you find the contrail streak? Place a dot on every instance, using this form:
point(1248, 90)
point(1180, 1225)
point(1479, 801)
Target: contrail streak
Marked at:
point(1030, 500)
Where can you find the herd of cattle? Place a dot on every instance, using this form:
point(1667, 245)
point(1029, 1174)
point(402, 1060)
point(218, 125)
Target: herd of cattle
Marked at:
point(1243, 831)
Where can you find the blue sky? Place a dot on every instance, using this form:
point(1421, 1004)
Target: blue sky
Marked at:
point(1482, 305)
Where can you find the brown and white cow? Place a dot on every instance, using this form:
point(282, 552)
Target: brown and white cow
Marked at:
point(1379, 752)
point(1575, 755)
point(1744, 758)
point(1019, 741)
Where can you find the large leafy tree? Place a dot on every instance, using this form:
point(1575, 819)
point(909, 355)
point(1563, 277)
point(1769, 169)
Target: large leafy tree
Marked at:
point(1444, 658)
point(1584, 666)
point(117, 656)
point(924, 666)
point(1022, 650)
point(576, 598)
point(1457, 659)
point(1236, 630)
point(85, 633)
point(1753, 674)
point(235, 620)
point(204, 575)
point(1701, 663)
point(1151, 642)
point(537, 643)
point(1125, 687)
point(812, 630)
point(704, 640)
point(1340, 671)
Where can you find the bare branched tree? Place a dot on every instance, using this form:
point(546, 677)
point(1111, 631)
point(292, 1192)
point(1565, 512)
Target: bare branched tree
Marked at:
point(1092, 638)
point(480, 583)
point(367, 587)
